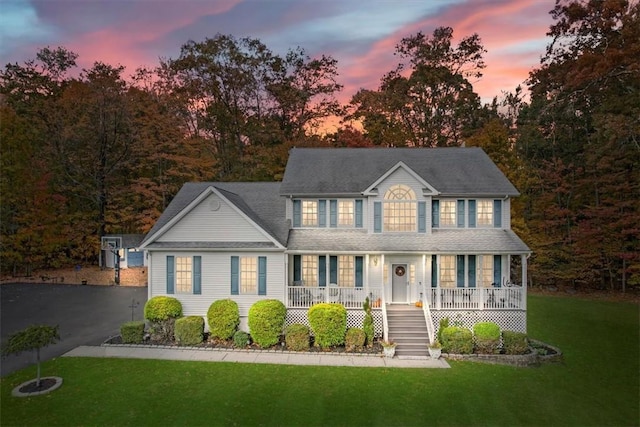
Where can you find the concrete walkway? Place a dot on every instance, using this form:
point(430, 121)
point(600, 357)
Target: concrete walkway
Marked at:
point(240, 356)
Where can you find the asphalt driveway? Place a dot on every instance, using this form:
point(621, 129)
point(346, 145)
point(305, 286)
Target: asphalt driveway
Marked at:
point(87, 315)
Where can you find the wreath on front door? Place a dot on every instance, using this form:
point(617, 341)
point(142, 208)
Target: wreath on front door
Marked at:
point(400, 271)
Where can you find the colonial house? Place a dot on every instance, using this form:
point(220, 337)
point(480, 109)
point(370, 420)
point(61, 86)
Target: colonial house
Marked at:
point(397, 225)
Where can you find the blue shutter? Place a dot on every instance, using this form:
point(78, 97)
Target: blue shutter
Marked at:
point(333, 213)
point(472, 214)
point(497, 270)
point(262, 275)
point(358, 213)
point(460, 214)
point(322, 213)
point(297, 213)
point(377, 217)
point(422, 217)
point(297, 268)
point(460, 271)
point(434, 271)
point(472, 271)
point(358, 272)
point(322, 270)
point(497, 213)
point(171, 277)
point(333, 269)
point(197, 275)
point(435, 213)
point(235, 275)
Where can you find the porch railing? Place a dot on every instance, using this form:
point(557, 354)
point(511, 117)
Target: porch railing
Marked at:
point(305, 296)
point(427, 314)
point(504, 298)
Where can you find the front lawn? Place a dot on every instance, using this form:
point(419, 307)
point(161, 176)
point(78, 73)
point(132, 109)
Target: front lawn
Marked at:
point(598, 384)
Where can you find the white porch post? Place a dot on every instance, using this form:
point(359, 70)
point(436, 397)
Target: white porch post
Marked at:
point(523, 259)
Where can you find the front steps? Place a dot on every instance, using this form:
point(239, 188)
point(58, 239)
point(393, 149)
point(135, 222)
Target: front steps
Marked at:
point(408, 329)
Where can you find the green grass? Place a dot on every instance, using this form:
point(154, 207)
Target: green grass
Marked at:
point(598, 384)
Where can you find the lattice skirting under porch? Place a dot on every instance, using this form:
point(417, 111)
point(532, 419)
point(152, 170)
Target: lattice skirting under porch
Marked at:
point(509, 320)
point(354, 319)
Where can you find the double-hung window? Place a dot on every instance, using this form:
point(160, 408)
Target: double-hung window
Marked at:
point(346, 271)
point(309, 213)
point(447, 271)
point(345, 213)
point(486, 271)
point(400, 209)
point(249, 275)
point(447, 213)
point(184, 276)
point(485, 213)
point(310, 270)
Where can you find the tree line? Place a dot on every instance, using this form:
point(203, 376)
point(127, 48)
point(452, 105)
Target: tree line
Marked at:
point(93, 152)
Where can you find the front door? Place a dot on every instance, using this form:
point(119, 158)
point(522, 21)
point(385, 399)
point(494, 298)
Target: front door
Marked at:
point(399, 283)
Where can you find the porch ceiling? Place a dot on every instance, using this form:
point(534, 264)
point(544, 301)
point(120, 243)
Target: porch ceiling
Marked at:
point(439, 241)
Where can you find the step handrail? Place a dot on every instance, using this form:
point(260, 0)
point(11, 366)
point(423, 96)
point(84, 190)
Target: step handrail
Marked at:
point(427, 313)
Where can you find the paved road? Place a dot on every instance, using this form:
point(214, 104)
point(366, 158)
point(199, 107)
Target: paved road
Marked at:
point(87, 315)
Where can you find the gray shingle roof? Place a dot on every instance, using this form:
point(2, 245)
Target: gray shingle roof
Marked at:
point(441, 241)
point(451, 171)
point(260, 201)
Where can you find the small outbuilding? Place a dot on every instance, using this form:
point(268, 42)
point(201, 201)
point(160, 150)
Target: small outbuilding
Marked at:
point(123, 246)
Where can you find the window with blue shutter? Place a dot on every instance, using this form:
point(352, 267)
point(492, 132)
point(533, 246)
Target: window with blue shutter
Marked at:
point(497, 213)
point(297, 213)
point(472, 271)
point(333, 269)
point(262, 275)
point(460, 271)
point(333, 213)
point(322, 213)
point(171, 277)
point(434, 271)
point(497, 270)
point(460, 213)
point(359, 214)
point(472, 213)
point(197, 275)
point(435, 213)
point(322, 270)
point(235, 275)
point(377, 217)
point(422, 217)
point(359, 271)
point(297, 268)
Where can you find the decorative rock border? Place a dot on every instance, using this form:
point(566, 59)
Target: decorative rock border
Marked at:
point(16, 391)
point(532, 358)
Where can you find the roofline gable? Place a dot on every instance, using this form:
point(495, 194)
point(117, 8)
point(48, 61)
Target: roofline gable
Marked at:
point(195, 202)
point(428, 189)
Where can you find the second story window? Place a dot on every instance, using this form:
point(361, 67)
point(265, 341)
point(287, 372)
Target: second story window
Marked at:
point(309, 213)
point(345, 213)
point(399, 209)
point(485, 213)
point(447, 213)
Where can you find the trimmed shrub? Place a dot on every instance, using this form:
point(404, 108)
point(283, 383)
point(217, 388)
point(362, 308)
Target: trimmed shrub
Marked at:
point(189, 330)
point(367, 323)
point(161, 312)
point(329, 323)
point(266, 322)
point(297, 337)
point(487, 337)
point(240, 339)
point(223, 318)
point(514, 342)
point(444, 322)
point(354, 339)
point(132, 332)
point(457, 340)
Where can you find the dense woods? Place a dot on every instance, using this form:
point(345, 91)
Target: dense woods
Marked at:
point(96, 151)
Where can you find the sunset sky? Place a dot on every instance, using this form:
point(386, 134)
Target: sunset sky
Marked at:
point(360, 34)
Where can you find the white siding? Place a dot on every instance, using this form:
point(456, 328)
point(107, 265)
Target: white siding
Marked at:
point(203, 223)
point(216, 280)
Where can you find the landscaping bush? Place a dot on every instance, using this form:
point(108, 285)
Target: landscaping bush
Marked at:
point(240, 339)
point(223, 318)
point(162, 312)
point(297, 337)
point(266, 321)
point(132, 332)
point(189, 330)
point(354, 339)
point(457, 340)
point(444, 322)
point(514, 342)
point(487, 337)
point(329, 323)
point(367, 323)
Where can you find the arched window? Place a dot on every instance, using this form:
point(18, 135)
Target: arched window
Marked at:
point(400, 209)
